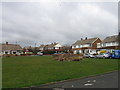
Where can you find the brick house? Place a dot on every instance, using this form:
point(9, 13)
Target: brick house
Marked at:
point(86, 45)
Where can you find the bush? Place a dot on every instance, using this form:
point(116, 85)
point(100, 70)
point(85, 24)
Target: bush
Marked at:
point(68, 57)
point(48, 52)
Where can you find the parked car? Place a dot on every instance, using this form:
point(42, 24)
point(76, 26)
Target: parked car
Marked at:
point(89, 55)
point(39, 54)
point(103, 55)
point(115, 54)
point(86, 55)
point(57, 54)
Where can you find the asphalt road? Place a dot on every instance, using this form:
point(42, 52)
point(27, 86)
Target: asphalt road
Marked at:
point(108, 80)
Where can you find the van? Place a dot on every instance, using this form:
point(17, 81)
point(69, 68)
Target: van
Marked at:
point(115, 54)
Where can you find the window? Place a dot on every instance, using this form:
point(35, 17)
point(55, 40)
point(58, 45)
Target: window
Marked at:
point(72, 46)
point(56, 47)
point(77, 46)
point(102, 45)
point(111, 44)
point(6, 52)
point(86, 45)
point(98, 45)
point(80, 46)
point(14, 52)
point(116, 43)
point(108, 44)
point(75, 52)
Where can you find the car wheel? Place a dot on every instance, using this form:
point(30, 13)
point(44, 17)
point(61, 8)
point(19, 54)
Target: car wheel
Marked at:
point(110, 57)
point(104, 57)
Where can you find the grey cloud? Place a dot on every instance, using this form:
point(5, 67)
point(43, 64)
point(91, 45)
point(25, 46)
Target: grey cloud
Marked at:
point(61, 22)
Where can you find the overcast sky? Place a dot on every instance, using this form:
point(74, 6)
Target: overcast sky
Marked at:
point(64, 22)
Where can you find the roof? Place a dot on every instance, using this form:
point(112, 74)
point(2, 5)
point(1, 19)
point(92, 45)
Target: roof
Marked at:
point(85, 41)
point(51, 45)
point(42, 46)
point(111, 39)
point(11, 47)
point(37, 48)
point(48, 45)
point(29, 47)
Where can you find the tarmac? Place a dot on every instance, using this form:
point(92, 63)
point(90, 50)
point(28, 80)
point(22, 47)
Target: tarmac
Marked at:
point(107, 80)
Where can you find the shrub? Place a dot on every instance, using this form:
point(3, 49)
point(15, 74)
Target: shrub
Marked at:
point(68, 57)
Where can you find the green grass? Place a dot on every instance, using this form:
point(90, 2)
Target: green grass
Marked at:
point(36, 70)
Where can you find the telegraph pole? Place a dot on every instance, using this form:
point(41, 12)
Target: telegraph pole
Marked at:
point(16, 47)
point(35, 48)
point(35, 45)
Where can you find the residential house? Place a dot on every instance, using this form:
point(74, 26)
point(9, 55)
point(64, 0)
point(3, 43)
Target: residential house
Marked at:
point(30, 50)
point(110, 43)
point(86, 45)
point(27, 50)
point(67, 49)
point(11, 49)
point(53, 47)
point(42, 47)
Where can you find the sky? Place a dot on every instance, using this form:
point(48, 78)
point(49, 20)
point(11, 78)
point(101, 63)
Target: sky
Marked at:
point(28, 23)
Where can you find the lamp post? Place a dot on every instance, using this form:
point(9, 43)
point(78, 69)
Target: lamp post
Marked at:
point(16, 47)
point(35, 49)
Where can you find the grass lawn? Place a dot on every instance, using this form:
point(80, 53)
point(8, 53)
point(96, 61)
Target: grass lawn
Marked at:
point(36, 70)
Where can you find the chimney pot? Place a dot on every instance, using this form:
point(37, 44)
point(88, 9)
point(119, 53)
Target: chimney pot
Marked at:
point(6, 43)
point(81, 39)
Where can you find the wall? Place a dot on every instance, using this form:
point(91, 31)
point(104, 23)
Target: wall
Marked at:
point(95, 43)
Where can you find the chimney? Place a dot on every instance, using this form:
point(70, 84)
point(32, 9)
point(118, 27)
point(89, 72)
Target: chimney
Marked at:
point(55, 43)
point(6, 43)
point(81, 38)
point(86, 38)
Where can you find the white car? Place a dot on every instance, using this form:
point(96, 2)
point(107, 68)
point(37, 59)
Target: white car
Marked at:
point(39, 54)
point(89, 56)
point(103, 55)
point(92, 56)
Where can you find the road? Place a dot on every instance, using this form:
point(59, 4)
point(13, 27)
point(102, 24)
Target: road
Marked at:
point(108, 80)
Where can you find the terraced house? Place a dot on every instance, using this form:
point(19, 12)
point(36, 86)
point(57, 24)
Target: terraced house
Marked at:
point(110, 43)
point(86, 45)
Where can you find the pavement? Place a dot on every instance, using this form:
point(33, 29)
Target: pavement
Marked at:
point(107, 80)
